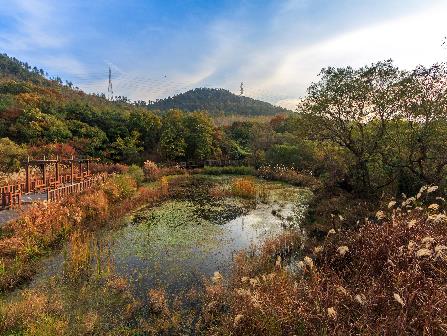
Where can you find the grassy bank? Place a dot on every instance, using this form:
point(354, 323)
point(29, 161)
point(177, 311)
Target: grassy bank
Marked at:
point(46, 226)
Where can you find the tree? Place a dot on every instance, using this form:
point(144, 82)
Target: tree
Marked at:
point(148, 125)
point(172, 141)
point(127, 149)
point(199, 136)
point(352, 108)
point(10, 155)
point(419, 137)
point(89, 140)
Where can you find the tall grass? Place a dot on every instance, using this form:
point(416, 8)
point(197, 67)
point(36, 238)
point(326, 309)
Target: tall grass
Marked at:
point(243, 187)
point(46, 225)
point(387, 278)
point(289, 175)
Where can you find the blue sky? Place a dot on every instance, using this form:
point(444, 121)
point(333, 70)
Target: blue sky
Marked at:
point(158, 48)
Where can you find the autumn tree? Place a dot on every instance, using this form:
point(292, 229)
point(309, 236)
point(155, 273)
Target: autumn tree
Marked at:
point(10, 155)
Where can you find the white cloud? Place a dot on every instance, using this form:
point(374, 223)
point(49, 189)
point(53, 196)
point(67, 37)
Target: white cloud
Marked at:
point(64, 63)
point(270, 57)
point(34, 26)
point(280, 71)
point(290, 103)
point(410, 41)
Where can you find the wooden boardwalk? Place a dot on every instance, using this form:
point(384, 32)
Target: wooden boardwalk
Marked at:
point(51, 195)
point(10, 214)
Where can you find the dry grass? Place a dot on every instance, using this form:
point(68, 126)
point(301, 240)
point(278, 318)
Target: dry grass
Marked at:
point(289, 175)
point(387, 278)
point(243, 187)
point(151, 171)
point(46, 225)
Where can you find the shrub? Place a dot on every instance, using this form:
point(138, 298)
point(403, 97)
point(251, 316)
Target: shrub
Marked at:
point(10, 155)
point(151, 170)
point(289, 175)
point(137, 174)
point(299, 156)
point(239, 170)
point(119, 188)
point(174, 170)
point(95, 207)
point(243, 187)
point(110, 168)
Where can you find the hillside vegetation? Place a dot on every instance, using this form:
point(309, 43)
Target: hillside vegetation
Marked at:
point(217, 102)
point(48, 117)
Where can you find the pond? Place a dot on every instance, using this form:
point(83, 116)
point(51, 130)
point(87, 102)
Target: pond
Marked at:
point(198, 231)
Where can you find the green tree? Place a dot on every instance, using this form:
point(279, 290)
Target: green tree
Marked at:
point(89, 140)
point(10, 155)
point(148, 125)
point(172, 141)
point(418, 139)
point(352, 108)
point(299, 156)
point(127, 149)
point(199, 136)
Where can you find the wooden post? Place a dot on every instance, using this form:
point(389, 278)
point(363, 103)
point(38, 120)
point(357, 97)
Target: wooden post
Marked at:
point(44, 171)
point(88, 167)
point(72, 170)
point(80, 169)
point(57, 170)
point(28, 178)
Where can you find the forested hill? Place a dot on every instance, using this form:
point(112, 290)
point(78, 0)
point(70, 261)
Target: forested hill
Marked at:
point(217, 101)
point(44, 116)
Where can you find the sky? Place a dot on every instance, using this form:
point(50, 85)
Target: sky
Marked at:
point(158, 48)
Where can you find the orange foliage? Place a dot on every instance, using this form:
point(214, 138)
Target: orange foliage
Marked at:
point(243, 187)
point(52, 150)
point(44, 225)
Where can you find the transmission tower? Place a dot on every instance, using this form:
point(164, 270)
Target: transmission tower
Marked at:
point(110, 88)
point(242, 88)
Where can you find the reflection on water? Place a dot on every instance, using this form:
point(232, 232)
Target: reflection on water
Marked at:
point(178, 243)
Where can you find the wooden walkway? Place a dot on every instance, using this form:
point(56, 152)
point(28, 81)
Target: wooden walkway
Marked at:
point(10, 214)
point(13, 210)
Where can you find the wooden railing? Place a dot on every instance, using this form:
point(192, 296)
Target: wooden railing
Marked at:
point(10, 196)
point(56, 194)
